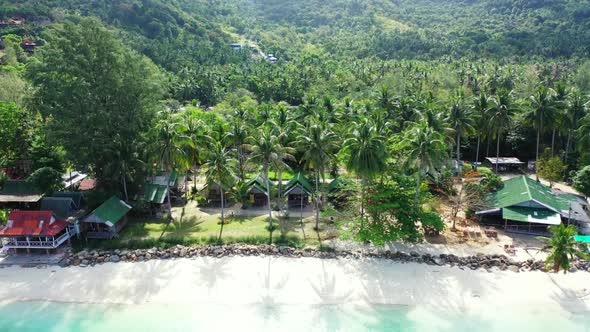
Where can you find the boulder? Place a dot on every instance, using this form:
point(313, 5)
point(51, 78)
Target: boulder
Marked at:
point(115, 258)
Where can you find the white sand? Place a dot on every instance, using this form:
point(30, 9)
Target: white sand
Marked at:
point(246, 280)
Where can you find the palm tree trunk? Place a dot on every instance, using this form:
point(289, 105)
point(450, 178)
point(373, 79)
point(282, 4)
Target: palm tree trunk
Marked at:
point(125, 188)
point(317, 201)
point(268, 198)
point(477, 152)
point(323, 189)
point(222, 212)
point(280, 187)
point(458, 155)
point(537, 153)
point(417, 193)
point(487, 146)
point(497, 150)
point(567, 146)
point(363, 194)
point(553, 142)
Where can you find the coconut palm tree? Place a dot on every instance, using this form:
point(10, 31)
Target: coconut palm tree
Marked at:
point(365, 154)
point(427, 153)
point(267, 150)
point(171, 143)
point(319, 145)
point(501, 117)
point(219, 170)
point(575, 111)
point(238, 134)
point(124, 160)
point(562, 247)
point(461, 120)
point(196, 133)
point(542, 113)
point(561, 101)
point(482, 106)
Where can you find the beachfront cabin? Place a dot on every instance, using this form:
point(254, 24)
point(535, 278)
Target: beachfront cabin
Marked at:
point(155, 193)
point(175, 182)
point(62, 207)
point(526, 206)
point(298, 191)
point(107, 220)
point(35, 230)
point(505, 164)
point(257, 191)
point(213, 194)
point(73, 179)
point(76, 197)
point(19, 194)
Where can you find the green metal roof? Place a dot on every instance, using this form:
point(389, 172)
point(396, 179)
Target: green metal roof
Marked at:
point(300, 181)
point(75, 196)
point(259, 183)
point(531, 215)
point(112, 211)
point(155, 193)
point(62, 207)
point(523, 189)
point(19, 191)
point(172, 179)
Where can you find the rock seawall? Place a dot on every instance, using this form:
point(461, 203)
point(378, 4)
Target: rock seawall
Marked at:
point(87, 258)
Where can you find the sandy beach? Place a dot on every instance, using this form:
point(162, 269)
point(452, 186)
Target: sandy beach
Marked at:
point(271, 280)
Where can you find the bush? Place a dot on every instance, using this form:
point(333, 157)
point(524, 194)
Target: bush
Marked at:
point(46, 179)
point(582, 181)
point(432, 223)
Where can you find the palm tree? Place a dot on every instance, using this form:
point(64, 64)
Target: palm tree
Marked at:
point(561, 101)
point(267, 150)
point(171, 141)
point(365, 155)
point(482, 108)
point(576, 108)
point(460, 119)
point(427, 153)
point(543, 113)
point(501, 115)
point(319, 145)
point(124, 160)
point(219, 170)
point(238, 133)
point(563, 247)
point(196, 133)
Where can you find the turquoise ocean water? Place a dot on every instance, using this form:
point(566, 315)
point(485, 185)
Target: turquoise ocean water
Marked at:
point(64, 317)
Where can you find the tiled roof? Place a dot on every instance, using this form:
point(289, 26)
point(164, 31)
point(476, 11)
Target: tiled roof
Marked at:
point(33, 223)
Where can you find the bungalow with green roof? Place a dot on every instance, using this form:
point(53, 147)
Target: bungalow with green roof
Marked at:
point(298, 190)
point(107, 220)
point(19, 192)
point(76, 196)
point(62, 207)
point(214, 194)
point(155, 193)
point(257, 191)
point(524, 205)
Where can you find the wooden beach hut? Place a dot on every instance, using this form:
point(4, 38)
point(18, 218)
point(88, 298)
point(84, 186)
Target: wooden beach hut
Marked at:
point(107, 220)
point(257, 191)
point(298, 191)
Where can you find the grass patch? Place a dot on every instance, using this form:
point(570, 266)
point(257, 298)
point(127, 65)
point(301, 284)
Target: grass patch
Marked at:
point(204, 230)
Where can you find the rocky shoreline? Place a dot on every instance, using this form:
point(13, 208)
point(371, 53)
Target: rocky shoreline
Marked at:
point(88, 258)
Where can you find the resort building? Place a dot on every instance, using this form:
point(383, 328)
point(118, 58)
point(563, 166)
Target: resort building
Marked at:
point(62, 207)
point(298, 190)
point(107, 220)
point(257, 191)
point(214, 194)
point(524, 205)
point(35, 230)
point(19, 193)
point(73, 179)
point(505, 164)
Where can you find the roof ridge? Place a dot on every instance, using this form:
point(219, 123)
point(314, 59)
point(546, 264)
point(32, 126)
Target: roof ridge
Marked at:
point(526, 185)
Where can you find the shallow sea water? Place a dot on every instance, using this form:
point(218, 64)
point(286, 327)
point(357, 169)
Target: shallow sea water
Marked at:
point(64, 317)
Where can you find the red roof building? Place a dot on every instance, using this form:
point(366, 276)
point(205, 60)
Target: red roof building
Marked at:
point(34, 230)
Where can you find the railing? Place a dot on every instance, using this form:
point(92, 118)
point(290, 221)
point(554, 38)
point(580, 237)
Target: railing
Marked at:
point(12, 243)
